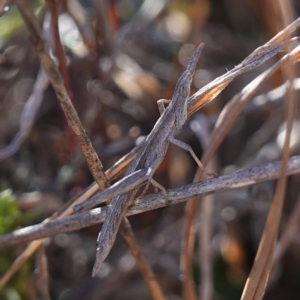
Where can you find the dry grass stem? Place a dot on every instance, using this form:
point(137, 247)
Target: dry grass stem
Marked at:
point(223, 183)
point(142, 263)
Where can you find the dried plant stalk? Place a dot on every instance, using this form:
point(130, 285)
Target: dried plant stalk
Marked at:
point(223, 183)
point(142, 263)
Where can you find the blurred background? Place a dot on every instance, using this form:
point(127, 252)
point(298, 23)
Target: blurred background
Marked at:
point(122, 56)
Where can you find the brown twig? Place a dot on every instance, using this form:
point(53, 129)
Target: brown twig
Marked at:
point(56, 81)
point(62, 66)
point(142, 263)
point(150, 202)
point(59, 50)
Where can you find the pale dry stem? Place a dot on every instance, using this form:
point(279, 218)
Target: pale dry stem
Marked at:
point(142, 263)
point(239, 179)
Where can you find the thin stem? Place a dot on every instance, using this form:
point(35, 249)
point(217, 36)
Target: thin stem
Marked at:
point(142, 263)
point(150, 202)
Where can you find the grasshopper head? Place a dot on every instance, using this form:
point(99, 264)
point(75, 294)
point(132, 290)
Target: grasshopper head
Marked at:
point(182, 89)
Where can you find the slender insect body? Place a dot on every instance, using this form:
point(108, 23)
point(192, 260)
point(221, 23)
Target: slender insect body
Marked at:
point(182, 91)
point(149, 158)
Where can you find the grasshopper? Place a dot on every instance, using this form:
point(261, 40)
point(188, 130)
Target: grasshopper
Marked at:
point(148, 158)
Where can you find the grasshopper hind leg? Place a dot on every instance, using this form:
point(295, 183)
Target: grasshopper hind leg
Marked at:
point(157, 186)
point(160, 187)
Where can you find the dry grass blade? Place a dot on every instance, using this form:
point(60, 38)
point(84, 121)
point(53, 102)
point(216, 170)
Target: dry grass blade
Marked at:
point(187, 248)
point(235, 180)
point(255, 59)
point(259, 275)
